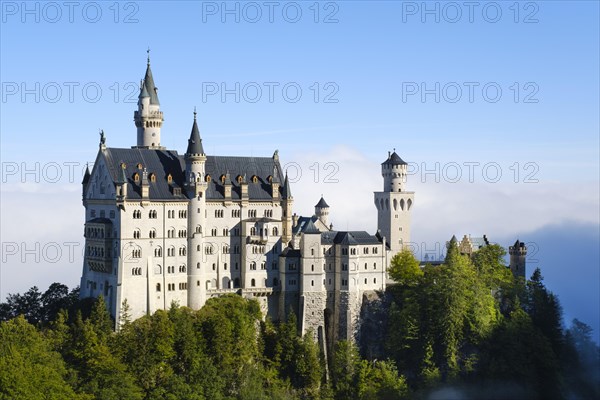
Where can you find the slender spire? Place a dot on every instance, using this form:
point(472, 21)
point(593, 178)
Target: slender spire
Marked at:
point(86, 175)
point(287, 192)
point(149, 83)
point(195, 142)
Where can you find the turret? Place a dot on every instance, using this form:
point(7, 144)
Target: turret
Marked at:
point(394, 204)
point(393, 171)
point(148, 117)
point(195, 185)
point(287, 201)
point(322, 211)
point(518, 255)
point(195, 160)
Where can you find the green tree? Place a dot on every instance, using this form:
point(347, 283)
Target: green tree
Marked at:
point(404, 268)
point(29, 368)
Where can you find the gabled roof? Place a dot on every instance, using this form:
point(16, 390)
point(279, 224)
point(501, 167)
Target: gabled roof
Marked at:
point(310, 228)
point(394, 159)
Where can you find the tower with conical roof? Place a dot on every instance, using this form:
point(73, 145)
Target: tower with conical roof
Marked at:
point(322, 211)
point(394, 203)
point(195, 185)
point(148, 118)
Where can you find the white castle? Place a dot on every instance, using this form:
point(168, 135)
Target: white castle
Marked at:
point(163, 228)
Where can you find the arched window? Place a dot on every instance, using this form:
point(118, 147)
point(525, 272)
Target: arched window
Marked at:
point(275, 231)
point(158, 287)
point(253, 283)
point(158, 251)
point(236, 283)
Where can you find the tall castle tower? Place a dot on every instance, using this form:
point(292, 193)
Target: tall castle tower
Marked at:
point(518, 254)
point(195, 185)
point(148, 117)
point(394, 203)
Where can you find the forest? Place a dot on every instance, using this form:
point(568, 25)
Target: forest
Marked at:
point(463, 329)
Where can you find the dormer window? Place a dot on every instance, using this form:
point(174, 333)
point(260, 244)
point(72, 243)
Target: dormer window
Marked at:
point(270, 179)
point(139, 166)
point(136, 177)
point(169, 178)
point(254, 179)
point(208, 178)
point(222, 179)
point(152, 177)
point(239, 179)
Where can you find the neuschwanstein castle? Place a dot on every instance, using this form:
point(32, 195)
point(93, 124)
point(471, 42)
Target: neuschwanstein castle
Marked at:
point(162, 227)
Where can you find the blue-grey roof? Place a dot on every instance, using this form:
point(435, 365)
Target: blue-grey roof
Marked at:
point(86, 176)
point(394, 159)
point(310, 228)
point(150, 87)
point(194, 142)
point(302, 223)
point(162, 163)
point(287, 191)
point(322, 203)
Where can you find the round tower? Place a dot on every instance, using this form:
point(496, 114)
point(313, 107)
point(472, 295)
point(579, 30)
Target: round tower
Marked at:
point(518, 255)
point(148, 117)
point(393, 171)
point(195, 185)
point(322, 211)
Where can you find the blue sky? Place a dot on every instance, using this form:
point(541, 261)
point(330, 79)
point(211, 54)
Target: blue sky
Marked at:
point(362, 69)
